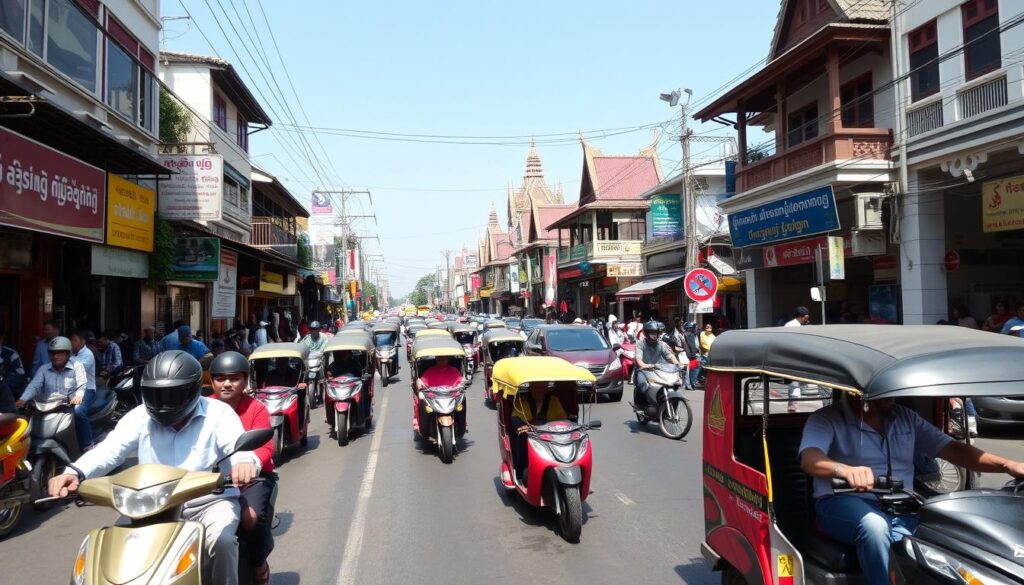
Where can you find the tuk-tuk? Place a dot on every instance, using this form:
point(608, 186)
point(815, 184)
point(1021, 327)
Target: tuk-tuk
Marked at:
point(437, 325)
point(386, 340)
point(760, 521)
point(439, 412)
point(498, 344)
point(278, 380)
point(410, 334)
point(495, 324)
point(552, 463)
point(348, 401)
point(469, 338)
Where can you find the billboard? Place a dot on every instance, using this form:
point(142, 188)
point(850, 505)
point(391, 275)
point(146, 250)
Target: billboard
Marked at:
point(666, 216)
point(798, 216)
point(321, 204)
point(196, 259)
point(196, 190)
point(225, 287)
point(130, 214)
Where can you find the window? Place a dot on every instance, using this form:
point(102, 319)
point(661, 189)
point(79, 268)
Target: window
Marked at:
point(122, 80)
point(231, 190)
point(242, 132)
point(220, 112)
point(803, 125)
point(35, 26)
point(72, 43)
point(858, 103)
point(924, 61)
point(147, 101)
point(12, 18)
point(982, 50)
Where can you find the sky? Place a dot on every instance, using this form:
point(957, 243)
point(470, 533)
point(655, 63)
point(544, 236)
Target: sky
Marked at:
point(464, 68)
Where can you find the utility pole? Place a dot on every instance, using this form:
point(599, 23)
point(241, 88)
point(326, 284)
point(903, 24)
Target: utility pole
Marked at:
point(689, 206)
point(341, 257)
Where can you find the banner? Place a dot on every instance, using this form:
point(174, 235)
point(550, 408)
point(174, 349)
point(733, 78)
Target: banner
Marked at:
point(196, 259)
point(550, 279)
point(1002, 204)
point(836, 258)
point(130, 214)
point(666, 216)
point(321, 204)
point(196, 190)
point(710, 219)
point(271, 281)
point(513, 279)
point(225, 287)
point(793, 217)
point(44, 190)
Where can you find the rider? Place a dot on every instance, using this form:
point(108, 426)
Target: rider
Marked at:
point(857, 441)
point(174, 415)
point(282, 374)
point(314, 341)
point(651, 351)
point(537, 407)
point(230, 373)
point(344, 363)
point(62, 378)
point(439, 375)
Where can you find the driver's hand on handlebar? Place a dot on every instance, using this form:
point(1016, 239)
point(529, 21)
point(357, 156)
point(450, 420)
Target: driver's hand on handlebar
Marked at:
point(522, 429)
point(61, 485)
point(1016, 469)
point(861, 479)
point(19, 404)
point(243, 473)
point(76, 399)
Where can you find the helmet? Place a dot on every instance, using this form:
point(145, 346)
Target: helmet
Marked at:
point(229, 362)
point(314, 325)
point(170, 386)
point(653, 326)
point(59, 343)
point(689, 326)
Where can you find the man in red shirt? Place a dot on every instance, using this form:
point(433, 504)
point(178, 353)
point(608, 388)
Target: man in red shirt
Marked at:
point(229, 372)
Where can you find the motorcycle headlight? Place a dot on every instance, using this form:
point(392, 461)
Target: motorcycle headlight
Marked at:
point(615, 365)
point(443, 404)
point(144, 502)
point(341, 391)
point(953, 568)
point(279, 403)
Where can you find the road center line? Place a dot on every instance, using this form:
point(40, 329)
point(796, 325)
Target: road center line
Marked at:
point(624, 499)
point(354, 540)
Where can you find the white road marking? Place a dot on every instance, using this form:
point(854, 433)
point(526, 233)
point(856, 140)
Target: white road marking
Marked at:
point(354, 540)
point(624, 499)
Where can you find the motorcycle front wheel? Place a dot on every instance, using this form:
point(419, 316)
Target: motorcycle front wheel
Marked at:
point(446, 444)
point(570, 520)
point(41, 475)
point(279, 445)
point(9, 518)
point(341, 427)
point(675, 418)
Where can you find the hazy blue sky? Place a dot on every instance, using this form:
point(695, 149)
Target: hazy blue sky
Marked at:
point(474, 69)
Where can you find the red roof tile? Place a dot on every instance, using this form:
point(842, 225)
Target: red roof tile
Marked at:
point(624, 177)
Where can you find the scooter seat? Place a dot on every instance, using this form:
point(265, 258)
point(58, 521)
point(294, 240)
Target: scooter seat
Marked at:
point(834, 556)
point(8, 426)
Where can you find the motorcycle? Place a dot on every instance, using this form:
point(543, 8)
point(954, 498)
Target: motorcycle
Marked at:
point(15, 471)
point(672, 412)
point(315, 380)
point(155, 546)
point(627, 357)
point(349, 401)
point(125, 385)
point(280, 389)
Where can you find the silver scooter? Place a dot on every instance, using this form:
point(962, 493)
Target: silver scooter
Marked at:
point(672, 411)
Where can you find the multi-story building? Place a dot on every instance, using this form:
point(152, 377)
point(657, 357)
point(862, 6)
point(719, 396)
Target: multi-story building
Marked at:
point(79, 134)
point(495, 262)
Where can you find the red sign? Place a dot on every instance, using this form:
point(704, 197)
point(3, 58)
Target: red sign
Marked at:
point(47, 191)
point(701, 284)
point(799, 251)
point(952, 260)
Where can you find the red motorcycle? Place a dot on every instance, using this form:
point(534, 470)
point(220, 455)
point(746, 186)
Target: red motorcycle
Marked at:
point(349, 398)
point(627, 357)
point(278, 370)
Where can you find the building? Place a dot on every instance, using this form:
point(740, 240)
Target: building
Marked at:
point(600, 240)
point(79, 133)
point(826, 104)
point(495, 262)
point(961, 228)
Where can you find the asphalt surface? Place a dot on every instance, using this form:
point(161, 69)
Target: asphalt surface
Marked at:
point(421, 521)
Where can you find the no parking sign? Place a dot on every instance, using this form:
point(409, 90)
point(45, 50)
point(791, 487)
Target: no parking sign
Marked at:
point(701, 284)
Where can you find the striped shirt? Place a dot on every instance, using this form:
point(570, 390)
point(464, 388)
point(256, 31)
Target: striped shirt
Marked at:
point(50, 383)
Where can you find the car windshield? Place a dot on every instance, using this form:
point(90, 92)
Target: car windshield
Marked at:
point(385, 338)
point(529, 324)
point(575, 339)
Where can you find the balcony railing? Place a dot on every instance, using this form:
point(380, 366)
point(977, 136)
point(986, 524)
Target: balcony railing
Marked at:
point(979, 99)
point(924, 119)
point(600, 250)
point(268, 235)
point(849, 143)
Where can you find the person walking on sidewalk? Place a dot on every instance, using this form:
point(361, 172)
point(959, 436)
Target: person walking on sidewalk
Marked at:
point(801, 317)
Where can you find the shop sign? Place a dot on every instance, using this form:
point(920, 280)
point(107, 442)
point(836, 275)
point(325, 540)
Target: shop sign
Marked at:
point(225, 286)
point(108, 261)
point(321, 204)
point(884, 267)
point(799, 252)
point(836, 258)
point(471, 261)
point(271, 281)
point(1002, 204)
point(130, 211)
point(196, 259)
point(513, 280)
point(246, 292)
point(195, 191)
point(625, 270)
point(44, 190)
point(793, 217)
point(666, 216)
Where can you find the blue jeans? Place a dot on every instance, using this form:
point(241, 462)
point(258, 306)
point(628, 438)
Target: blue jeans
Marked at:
point(695, 372)
point(83, 428)
point(860, 522)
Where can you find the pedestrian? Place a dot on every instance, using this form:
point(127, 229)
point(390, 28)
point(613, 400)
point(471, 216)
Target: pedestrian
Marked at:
point(274, 328)
point(41, 356)
point(146, 348)
point(170, 341)
point(12, 375)
point(1015, 325)
point(962, 317)
point(801, 317)
point(998, 318)
point(110, 356)
point(262, 337)
point(635, 327)
point(192, 346)
point(81, 354)
point(303, 328)
point(707, 337)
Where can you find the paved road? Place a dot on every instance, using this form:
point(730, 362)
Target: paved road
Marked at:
point(420, 521)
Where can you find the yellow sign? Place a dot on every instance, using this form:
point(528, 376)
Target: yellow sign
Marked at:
point(130, 210)
point(1002, 204)
point(271, 281)
point(784, 565)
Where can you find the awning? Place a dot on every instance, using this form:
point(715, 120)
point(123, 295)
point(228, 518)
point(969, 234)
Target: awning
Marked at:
point(648, 285)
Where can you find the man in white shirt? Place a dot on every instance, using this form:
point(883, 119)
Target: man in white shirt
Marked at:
point(176, 426)
point(802, 317)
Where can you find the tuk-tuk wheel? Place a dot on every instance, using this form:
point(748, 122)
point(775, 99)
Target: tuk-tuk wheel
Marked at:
point(384, 380)
point(570, 521)
point(341, 428)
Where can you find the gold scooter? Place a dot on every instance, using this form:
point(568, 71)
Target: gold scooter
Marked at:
point(156, 546)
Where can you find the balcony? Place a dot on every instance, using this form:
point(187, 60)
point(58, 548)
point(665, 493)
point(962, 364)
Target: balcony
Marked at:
point(924, 118)
point(601, 251)
point(846, 144)
point(268, 235)
point(978, 99)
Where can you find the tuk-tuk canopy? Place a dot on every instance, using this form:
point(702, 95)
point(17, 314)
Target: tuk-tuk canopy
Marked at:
point(385, 328)
point(280, 350)
point(495, 324)
point(431, 333)
point(438, 325)
point(511, 373)
point(499, 335)
point(428, 347)
point(456, 327)
point(879, 361)
point(349, 342)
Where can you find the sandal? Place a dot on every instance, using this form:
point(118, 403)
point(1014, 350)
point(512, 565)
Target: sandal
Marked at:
point(261, 575)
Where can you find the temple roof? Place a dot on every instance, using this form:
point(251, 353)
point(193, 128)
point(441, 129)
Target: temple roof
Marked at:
point(620, 176)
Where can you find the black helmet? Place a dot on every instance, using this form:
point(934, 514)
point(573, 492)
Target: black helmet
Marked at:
point(229, 362)
point(689, 326)
point(653, 326)
point(170, 386)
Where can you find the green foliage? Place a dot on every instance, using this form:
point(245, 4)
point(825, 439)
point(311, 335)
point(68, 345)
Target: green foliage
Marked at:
point(175, 119)
point(163, 251)
point(370, 292)
point(424, 284)
point(303, 251)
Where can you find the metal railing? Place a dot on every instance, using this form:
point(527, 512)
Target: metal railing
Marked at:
point(979, 99)
point(924, 119)
point(267, 234)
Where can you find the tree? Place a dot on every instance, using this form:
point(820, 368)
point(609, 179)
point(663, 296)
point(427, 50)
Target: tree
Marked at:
point(175, 119)
point(303, 251)
point(419, 294)
point(370, 292)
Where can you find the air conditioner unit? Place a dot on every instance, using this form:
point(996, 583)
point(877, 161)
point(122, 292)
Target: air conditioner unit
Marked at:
point(869, 211)
point(867, 242)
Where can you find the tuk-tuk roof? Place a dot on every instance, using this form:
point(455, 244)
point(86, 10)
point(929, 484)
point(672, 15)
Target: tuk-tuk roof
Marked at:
point(456, 327)
point(880, 361)
point(436, 346)
point(510, 373)
point(496, 335)
point(385, 327)
point(279, 350)
point(432, 332)
point(350, 342)
point(438, 325)
point(495, 324)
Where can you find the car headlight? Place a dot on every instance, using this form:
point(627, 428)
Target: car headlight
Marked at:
point(144, 502)
point(615, 365)
point(955, 568)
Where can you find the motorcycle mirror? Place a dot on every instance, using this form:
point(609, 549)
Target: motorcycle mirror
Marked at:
point(253, 439)
point(594, 424)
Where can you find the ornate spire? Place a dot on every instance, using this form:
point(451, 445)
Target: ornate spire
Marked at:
point(533, 167)
point(493, 219)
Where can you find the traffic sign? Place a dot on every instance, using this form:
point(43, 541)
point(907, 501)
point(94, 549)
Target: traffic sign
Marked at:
point(701, 284)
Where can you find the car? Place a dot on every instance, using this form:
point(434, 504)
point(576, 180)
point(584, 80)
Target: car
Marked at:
point(584, 347)
point(514, 323)
point(529, 324)
point(999, 411)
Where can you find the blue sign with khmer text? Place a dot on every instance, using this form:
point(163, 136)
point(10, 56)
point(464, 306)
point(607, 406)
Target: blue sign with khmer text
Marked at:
point(798, 216)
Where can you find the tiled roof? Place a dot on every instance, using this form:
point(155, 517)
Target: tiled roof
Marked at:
point(547, 215)
point(878, 10)
point(624, 177)
point(179, 57)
